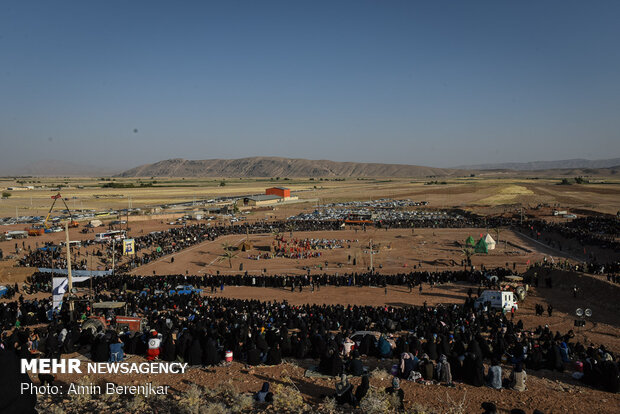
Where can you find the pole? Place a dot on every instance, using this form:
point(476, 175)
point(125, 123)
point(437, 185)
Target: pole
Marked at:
point(69, 276)
point(371, 266)
point(90, 294)
point(113, 253)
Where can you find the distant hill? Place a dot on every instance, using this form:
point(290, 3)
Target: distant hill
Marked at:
point(54, 168)
point(281, 167)
point(577, 163)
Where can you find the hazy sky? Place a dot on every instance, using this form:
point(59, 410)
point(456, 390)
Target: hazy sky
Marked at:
point(440, 83)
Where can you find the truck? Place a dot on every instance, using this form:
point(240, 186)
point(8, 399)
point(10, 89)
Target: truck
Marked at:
point(498, 299)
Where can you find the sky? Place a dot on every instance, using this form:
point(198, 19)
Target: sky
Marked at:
point(440, 83)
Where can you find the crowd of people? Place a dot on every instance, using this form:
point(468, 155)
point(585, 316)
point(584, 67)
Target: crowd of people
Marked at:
point(122, 282)
point(151, 246)
point(591, 230)
point(603, 232)
point(428, 344)
point(441, 344)
point(306, 248)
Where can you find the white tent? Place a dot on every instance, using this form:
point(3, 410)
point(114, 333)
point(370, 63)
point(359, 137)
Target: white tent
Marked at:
point(489, 241)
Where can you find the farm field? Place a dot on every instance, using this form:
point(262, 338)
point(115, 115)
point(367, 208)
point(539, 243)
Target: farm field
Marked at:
point(486, 194)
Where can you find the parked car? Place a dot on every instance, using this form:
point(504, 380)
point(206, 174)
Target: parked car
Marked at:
point(185, 290)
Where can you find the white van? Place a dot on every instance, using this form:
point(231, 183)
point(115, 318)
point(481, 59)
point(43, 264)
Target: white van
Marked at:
point(498, 299)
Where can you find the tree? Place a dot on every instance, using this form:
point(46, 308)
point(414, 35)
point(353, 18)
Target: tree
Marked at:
point(468, 252)
point(228, 253)
point(222, 183)
point(497, 230)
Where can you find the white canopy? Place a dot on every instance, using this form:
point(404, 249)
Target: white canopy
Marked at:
point(489, 241)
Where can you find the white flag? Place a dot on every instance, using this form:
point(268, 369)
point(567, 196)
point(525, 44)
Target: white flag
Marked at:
point(60, 285)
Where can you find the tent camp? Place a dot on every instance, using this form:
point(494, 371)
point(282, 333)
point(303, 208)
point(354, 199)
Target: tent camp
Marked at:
point(470, 242)
point(489, 241)
point(481, 247)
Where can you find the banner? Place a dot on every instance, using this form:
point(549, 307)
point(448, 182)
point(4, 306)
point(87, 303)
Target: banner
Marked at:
point(59, 288)
point(75, 272)
point(60, 285)
point(128, 247)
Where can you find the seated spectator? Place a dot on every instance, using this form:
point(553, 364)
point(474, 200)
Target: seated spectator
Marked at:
point(274, 356)
point(494, 375)
point(396, 390)
point(426, 368)
point(517, 378)
point(347, 346)
point(362, 389)
point(444, 372)
point(264, 396)
point(116, 351)
point(384, 347)
point(356, 368)
point(253, 356)
point(407, 364)
point(344, 392)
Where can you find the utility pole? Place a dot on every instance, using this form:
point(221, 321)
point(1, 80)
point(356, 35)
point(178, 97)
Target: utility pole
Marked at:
point(372, 269)
point(113, 253)
point(69, 275)
point(521, 216)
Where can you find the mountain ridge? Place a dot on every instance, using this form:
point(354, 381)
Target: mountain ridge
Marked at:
point(574, 163)
point(281, 167)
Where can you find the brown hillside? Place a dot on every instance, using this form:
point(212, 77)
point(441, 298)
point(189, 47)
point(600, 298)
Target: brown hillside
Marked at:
point(281, 167)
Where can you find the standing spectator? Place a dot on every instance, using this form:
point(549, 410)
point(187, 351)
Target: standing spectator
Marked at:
point(154, 342)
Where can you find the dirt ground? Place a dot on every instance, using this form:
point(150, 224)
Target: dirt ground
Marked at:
point(547, 391)
point(396, 250)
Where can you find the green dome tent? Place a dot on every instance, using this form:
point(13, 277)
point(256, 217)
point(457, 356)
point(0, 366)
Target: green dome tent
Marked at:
point(481, 247)
point(470, 241)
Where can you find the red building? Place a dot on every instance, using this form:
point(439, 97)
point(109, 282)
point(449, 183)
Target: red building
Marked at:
point(278, 191)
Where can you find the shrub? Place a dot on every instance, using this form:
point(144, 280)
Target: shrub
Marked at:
point(191, 400)
point(137, 405)
point(214, 408)
point(417, 408)
point(329, 405)
point(376, 402)
point(287, 399)
point(241, 403)
point(379, 374)
point(456, 407)
point(6, 194)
